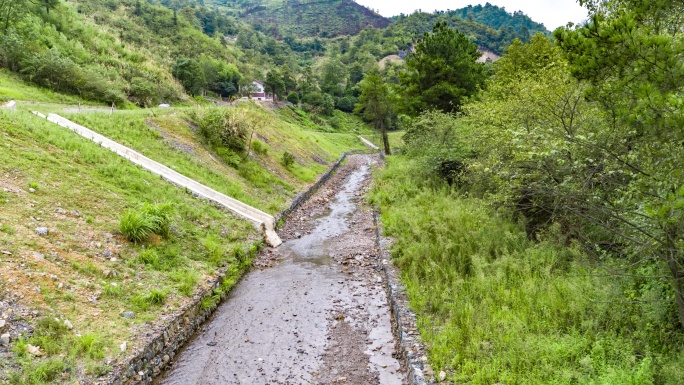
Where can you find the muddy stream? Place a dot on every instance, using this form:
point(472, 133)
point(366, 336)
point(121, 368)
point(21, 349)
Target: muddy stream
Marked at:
point(314, 312)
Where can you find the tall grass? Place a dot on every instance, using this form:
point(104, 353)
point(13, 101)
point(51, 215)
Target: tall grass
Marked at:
point(494, 307)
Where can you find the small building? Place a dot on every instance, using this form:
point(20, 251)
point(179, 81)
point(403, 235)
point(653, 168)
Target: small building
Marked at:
point(256, 91)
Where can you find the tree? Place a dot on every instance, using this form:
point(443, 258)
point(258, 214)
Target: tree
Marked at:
point(11, 11)
point(189, 72)
point(376, 104)
point(632, 54)
point(333, 77)
point(48, 4)
point(274, 83)
point(442, 72)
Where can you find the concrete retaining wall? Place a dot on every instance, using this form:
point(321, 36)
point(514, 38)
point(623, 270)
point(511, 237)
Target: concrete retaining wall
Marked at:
point(262, 221)
point(368, 143)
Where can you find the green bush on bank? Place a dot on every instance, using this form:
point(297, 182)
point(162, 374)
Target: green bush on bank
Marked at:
point(495, 307)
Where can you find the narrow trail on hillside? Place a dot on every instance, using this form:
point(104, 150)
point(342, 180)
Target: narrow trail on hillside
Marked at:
point(314, 312)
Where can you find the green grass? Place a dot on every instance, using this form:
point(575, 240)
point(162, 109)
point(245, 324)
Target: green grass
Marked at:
point(154, 297)
point(494, 307)
point(82, 192)
point(54, 338)
point(13, 88)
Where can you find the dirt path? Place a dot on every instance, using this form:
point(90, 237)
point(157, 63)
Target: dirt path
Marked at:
point(315, 312)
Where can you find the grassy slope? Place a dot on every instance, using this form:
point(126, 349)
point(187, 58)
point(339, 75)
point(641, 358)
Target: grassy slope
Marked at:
point(261, 181)
point(13, 88)
point(494, 307)
point(81, 191)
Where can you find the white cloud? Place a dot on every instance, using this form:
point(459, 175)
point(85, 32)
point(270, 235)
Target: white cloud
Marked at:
point(552, 13)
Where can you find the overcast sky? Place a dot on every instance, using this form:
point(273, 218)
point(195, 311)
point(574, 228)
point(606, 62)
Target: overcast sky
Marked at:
point(552, 13)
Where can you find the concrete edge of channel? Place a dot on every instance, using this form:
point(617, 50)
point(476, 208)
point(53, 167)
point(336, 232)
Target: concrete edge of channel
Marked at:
point(149, 361)
point(411, 348)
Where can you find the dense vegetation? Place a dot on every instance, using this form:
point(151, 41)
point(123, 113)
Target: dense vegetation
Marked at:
point(539, 226)
point(498, 17)
point(312, 18)
point(146, 52)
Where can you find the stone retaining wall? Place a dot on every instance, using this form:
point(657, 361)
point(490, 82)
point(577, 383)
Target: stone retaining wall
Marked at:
point(411, 347)
point(149, 362)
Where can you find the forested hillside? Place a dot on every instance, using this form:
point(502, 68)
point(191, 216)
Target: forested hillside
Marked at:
point(497, 18)
point(483, 30)
point(323, 18)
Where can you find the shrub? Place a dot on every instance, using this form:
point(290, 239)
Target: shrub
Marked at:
point(259, 147)
point(293, 98)
point(223, 127)
point(288, 160)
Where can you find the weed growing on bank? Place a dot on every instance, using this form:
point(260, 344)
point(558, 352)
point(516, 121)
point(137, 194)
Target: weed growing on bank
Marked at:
point(494, 307)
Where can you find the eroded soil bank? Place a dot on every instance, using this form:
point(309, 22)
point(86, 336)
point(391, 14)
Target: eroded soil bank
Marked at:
point(315, 312)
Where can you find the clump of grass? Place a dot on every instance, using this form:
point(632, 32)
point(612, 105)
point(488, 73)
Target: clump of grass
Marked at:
point(39, 372)
point(185, 280)
point(112, 290)
point(97, 369)
point(149, 257)
point(138, 224)
point(7, 229)
point(214, 250)
point(49, 334)
point(239, 254)
point(89, 345)
point(33, 185)
point(145, 300)
point(210, 302)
